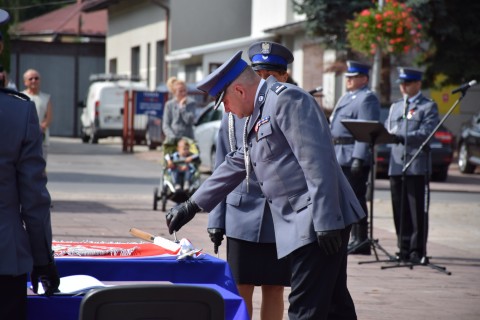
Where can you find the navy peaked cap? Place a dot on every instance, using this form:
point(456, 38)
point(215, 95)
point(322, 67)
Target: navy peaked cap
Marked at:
point(4, 16)
point(267, 55)
point(355, 68)
point(408, 74)
point(217, 82)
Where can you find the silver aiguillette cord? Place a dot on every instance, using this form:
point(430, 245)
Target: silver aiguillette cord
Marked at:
point(247, 152)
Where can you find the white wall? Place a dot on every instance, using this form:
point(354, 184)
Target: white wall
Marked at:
point(135, 25)
point(272, 13)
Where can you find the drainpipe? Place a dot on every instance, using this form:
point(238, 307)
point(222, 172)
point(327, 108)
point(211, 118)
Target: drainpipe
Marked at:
point(167, 30)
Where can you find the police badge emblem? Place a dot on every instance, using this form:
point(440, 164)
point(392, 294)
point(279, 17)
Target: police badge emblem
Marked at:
point(266, 48)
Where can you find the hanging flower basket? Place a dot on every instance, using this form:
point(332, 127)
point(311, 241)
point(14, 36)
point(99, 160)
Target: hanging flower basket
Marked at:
point(393, 29)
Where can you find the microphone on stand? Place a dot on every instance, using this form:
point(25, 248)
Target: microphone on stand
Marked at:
point(464, 87)
point(317, 89)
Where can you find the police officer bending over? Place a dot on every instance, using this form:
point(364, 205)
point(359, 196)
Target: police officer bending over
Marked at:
point(288, 145)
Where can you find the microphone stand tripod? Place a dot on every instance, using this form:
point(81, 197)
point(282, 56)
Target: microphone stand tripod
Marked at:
point(425, 260)
point(372, 132)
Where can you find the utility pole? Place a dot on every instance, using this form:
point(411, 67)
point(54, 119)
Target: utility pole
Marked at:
point(377, 64)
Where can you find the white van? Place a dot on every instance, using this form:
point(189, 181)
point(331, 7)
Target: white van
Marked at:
point(102, 114)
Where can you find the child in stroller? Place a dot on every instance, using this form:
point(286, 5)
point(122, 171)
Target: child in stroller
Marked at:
point(180, 176)
point(182, 165)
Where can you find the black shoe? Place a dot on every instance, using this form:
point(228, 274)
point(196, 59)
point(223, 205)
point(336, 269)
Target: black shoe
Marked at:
point(415, 257)
point(402, 256)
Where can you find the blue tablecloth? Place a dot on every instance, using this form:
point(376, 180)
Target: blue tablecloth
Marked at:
point(210, 271)
point(207, 270)
point(68, 307)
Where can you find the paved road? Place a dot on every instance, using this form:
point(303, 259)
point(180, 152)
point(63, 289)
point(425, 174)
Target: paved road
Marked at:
point(99, 193)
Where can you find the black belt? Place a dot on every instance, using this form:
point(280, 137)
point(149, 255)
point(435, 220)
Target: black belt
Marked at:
point(343, 140)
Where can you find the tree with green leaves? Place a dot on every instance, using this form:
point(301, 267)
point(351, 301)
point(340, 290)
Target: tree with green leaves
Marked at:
point(327, 18)
point(453, 41)
point(451, 29)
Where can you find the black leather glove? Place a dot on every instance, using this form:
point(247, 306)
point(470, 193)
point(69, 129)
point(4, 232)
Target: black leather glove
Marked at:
point(330, 241)
point(357, 167)
point(399, 139)
point(48, 276)
point(216, 235)
point(180, 215)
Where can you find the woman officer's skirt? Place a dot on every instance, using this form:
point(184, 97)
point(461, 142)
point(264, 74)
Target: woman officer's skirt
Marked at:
point(256, 263)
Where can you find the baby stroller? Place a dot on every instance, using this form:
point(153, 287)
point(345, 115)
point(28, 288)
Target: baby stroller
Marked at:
point(166, 188)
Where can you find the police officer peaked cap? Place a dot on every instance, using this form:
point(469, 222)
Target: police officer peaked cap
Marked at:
point(217, 82)
point(408, 74)
point(4, 16)
point(267, 55)
point(355, 68)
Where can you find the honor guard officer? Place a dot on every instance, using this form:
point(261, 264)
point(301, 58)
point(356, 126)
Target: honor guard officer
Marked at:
point(287, 143)
point(270, 58)
point(412, 120)
point(26, 237)
point(245, 217)
point(354, 157)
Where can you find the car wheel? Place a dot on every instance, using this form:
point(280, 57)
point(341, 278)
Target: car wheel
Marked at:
point(94, 137)
point(85, 137)
point(463, 165)
point(441, 175)
point(151, 145)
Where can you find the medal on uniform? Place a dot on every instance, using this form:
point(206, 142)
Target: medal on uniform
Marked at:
point(410, 114)
point(261, 122)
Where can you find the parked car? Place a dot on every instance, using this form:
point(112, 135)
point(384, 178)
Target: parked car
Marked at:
point(206, 132)
point(102, 114)
point(469, 146)
point(441, 147)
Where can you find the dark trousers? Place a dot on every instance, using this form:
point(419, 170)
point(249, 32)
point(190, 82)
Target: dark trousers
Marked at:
point(13, 297)
point(414, 229)
point(359, 186)
point(319, 284)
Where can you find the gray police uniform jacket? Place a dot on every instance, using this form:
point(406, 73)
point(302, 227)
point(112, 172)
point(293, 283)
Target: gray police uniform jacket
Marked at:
point(25, 230)
point(292, 156)
point(243, 215)
point(178, 122)
point(422, 118)
point(362, 104)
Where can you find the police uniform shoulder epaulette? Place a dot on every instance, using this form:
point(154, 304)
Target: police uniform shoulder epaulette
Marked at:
point(278, 87)
point(15, 94)
point(429, 99)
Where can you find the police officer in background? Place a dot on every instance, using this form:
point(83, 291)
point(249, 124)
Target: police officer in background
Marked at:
point(359, 102)
point(26, 236)
point(245, 217)
point(287, 144)
point(411, 120)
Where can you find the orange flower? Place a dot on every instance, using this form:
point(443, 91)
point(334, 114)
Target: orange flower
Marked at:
point(365, 13)
point(393, 28)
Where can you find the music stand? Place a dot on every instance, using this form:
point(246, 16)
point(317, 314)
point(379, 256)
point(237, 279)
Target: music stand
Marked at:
point(372, 132)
